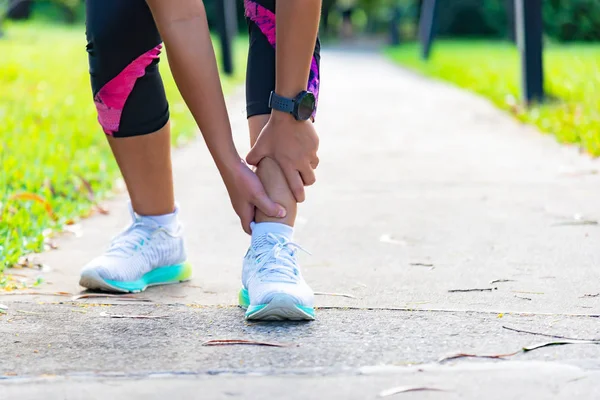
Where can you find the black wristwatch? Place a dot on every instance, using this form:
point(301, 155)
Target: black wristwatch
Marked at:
point(301, 107)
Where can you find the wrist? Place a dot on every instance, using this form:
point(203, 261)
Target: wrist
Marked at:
point(227, 161)
point(282, 116)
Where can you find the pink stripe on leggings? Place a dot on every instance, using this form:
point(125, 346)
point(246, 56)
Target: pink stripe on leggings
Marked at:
point(111, 99)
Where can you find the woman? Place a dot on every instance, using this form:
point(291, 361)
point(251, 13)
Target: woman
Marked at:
point(124, 43)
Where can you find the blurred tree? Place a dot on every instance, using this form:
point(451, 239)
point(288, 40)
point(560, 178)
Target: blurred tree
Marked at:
point(472, 18)
point(569, 20)
point(564, 20)
point(19, 9)
point(69, 9)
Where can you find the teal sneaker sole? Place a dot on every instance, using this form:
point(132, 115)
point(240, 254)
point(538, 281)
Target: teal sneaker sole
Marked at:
point(159, 276)
point(282, 307)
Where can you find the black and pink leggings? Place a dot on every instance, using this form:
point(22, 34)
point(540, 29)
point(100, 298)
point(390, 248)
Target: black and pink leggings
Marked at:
point(124, 45)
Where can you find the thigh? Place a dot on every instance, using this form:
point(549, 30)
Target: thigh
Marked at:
point(123, 46)
point(260, 74)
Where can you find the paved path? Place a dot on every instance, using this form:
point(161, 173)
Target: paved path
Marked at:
point(423, 189)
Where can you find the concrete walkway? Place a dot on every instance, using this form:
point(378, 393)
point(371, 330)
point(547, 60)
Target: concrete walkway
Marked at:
point(423, 190)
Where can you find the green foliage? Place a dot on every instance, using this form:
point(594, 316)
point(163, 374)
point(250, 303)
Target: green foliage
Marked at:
point(564, 20)
point(50, 143)
point(492, 70)
point(570, 20)
point(472, 18)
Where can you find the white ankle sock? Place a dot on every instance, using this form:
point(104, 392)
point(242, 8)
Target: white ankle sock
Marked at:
point(263, 228)
point(167, 221)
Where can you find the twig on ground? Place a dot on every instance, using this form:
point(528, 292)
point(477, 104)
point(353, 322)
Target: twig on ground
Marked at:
point(559, 343)
point(406, 389)
point(522, 350)
point(522, 298)
point(470, 290)
point(231, 342)
point(335, 294)
point(420, 264)
point(547, 335)
point(501, 281)
point(103, 314)
point(590, 295)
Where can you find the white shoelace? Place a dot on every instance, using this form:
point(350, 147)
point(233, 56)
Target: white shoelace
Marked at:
point(277, 260)
point(130, 241)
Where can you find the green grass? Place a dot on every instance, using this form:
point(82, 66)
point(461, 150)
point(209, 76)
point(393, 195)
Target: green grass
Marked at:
point(51, 146)
point(492, 69)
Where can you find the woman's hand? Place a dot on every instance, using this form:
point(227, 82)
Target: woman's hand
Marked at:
point(246, 193)
point(293, 145)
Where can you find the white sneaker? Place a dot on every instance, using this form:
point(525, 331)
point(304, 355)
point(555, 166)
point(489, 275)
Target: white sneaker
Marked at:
point(145, 254)
point(273, 287)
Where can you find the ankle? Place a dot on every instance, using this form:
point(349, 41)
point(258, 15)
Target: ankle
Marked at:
point(262, 229)
point(168, 221)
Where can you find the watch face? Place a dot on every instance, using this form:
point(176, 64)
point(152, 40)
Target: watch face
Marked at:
point(305, 106)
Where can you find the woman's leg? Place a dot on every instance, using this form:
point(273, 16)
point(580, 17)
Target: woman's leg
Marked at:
point(145, 162)
point(123, 48)
point(273, 285)
point(272, 179)
point(260, 81)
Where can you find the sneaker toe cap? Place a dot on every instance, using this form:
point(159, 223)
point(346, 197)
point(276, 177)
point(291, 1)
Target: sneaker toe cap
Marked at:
point(301, 293)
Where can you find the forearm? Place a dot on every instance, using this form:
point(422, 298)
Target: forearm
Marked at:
point(297, 28)
point(184, 29)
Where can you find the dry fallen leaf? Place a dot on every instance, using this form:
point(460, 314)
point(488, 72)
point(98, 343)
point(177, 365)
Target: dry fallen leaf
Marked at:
point(103, 314)
point(88, 188)
point(101, 209)
point(37, 198)
point(124, 297)
point(467, 355)
point(406, 389)
point(230, 342)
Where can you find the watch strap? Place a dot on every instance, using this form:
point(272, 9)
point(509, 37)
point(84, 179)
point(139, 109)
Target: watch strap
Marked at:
point(281, 103)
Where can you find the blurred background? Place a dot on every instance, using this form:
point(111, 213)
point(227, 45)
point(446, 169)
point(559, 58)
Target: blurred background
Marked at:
point(56, 166)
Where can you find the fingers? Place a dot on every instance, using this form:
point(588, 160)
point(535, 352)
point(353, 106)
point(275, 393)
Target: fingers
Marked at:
point(295, 183)
point(246, 218)
point(268, 206)
point(308, 175)
point(314, 163)
point(255, 155)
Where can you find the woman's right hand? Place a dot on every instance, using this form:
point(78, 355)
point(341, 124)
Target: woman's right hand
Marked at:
point(247, 193)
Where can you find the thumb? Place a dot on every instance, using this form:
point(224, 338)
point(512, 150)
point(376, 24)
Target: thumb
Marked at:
point(269, 207)
point(255, 155)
